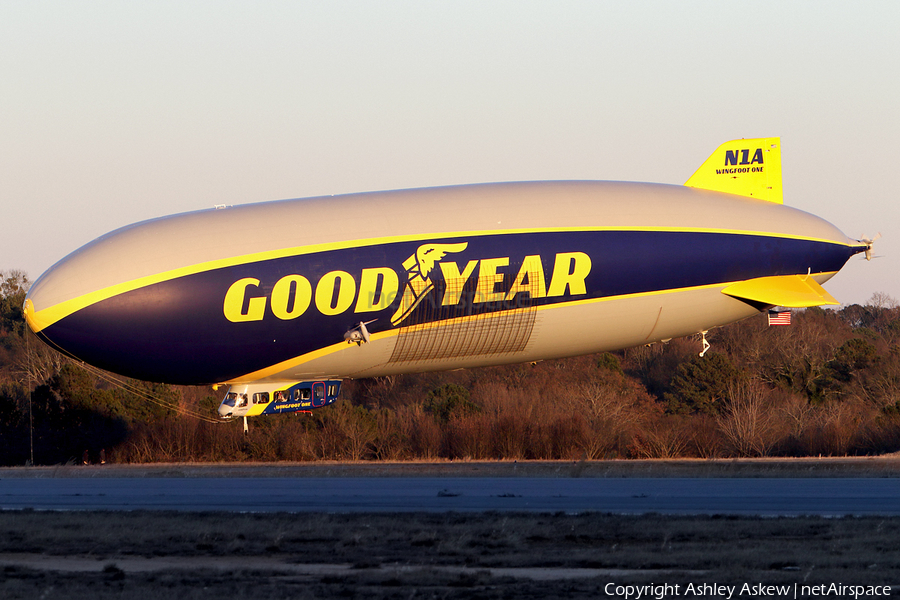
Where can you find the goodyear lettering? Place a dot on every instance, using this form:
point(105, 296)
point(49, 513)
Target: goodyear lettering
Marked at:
point(291, 297)
point(378, 288)
point(731, 157)
point(488, 278)
point(530, 279)
point(455, 281)
point(570, 271)
point(335, 292)
point(235, 299)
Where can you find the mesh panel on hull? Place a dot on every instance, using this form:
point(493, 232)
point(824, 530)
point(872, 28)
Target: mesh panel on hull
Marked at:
point(435, 331)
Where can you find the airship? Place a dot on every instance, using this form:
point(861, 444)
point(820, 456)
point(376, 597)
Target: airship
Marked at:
point(283, 300)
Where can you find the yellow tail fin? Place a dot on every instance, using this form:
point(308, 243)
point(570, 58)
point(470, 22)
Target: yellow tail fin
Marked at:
point(743, 167)
point(794, 291)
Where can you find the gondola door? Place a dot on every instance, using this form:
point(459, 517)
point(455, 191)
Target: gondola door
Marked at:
point(318, 394)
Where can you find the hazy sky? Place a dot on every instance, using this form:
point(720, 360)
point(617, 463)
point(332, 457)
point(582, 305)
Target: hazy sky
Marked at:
point(115, 112)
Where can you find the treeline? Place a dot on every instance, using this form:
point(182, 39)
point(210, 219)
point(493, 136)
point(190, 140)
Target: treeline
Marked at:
point(829, 384)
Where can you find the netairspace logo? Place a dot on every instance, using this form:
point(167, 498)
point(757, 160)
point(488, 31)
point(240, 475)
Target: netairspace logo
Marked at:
point(756, 590)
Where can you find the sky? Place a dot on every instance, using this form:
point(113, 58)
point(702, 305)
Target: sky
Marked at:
point(116, 112)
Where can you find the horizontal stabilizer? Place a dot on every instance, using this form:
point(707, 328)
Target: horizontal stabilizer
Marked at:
point(792, 291)
point(744, 167)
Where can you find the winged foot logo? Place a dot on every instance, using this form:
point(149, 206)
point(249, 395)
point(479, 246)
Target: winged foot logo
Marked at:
point(377, 288)
point(418, 271)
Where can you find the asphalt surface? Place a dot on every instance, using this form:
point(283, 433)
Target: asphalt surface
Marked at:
point(635, 495)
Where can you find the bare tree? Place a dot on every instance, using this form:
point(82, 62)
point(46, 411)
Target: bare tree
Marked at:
point(614, 411)
point(883, 300)
point(747, 422)
point(666, 437)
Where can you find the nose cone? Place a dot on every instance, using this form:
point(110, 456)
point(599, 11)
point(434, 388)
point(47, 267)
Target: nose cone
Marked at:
point(90, 304)
point(118, 302)
point(35, 300)
point(50, 302)
point(140, 328)
point(28, 309)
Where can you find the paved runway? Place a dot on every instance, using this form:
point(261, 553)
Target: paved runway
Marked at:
point(756, 496)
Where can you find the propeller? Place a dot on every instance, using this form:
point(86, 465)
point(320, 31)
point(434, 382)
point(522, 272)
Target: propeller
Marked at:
point(869, 243)
point(359, 334)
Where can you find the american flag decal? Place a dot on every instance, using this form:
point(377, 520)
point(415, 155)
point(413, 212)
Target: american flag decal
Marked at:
point(777, 317)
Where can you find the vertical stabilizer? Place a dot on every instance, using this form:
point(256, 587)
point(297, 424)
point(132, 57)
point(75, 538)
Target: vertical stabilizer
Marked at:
point(743, 167)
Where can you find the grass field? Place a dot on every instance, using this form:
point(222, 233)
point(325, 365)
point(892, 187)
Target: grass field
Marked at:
point(861, 466)
point(211, 555)
point(156, 555)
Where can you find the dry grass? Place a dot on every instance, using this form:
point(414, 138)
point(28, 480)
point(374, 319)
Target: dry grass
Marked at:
point(438, 555)
point(883, 466)
point(403, 556)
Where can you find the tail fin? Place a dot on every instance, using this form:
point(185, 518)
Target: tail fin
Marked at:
point(793, 291)
point(743, 167)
